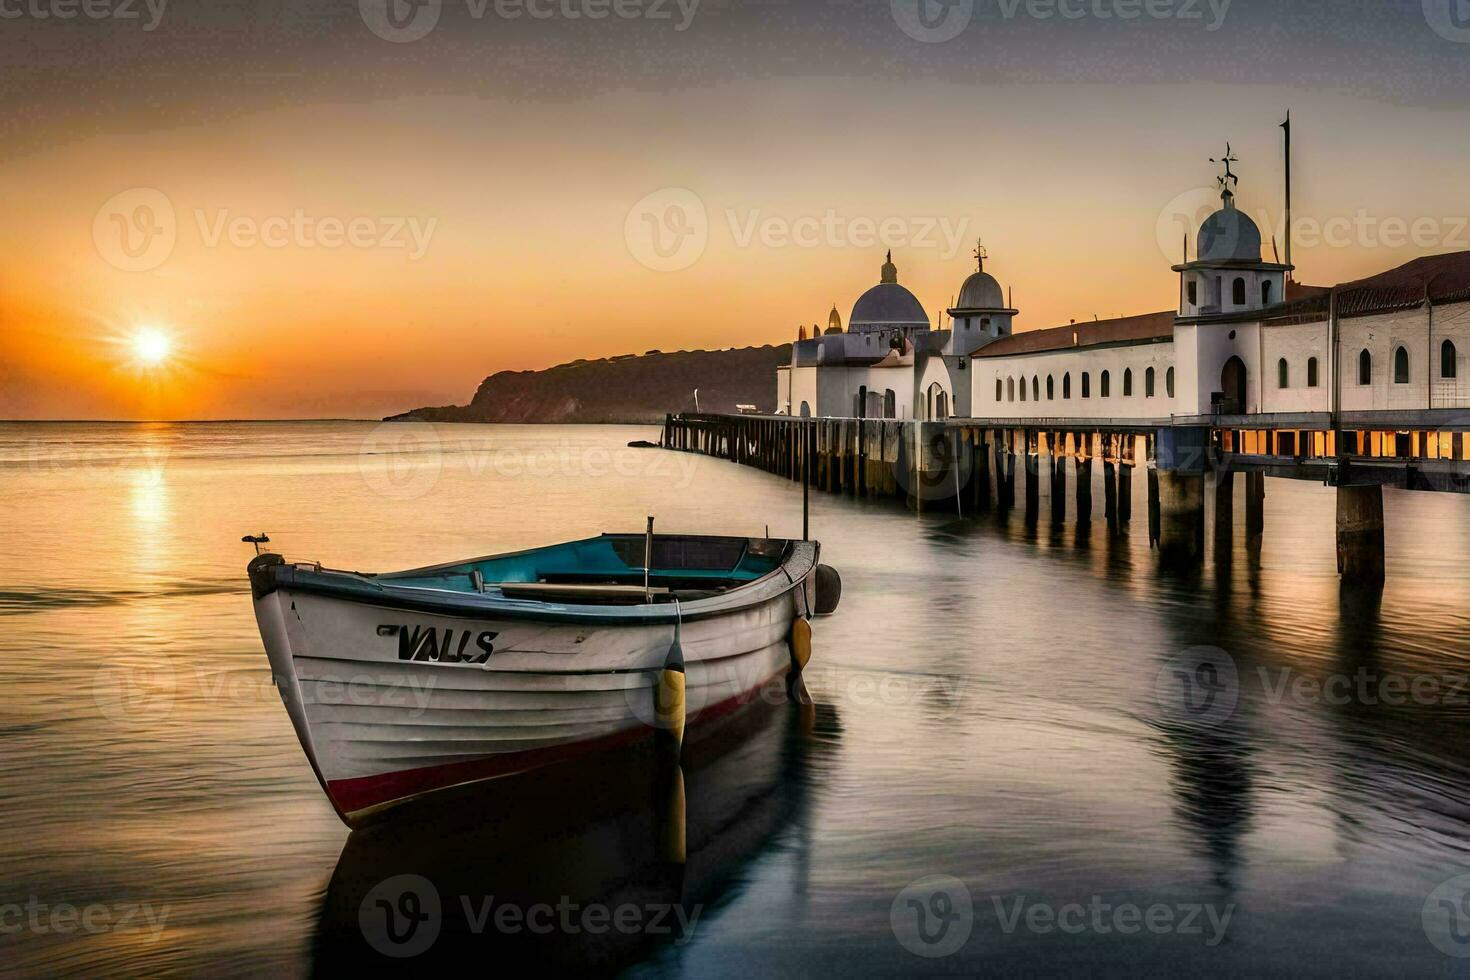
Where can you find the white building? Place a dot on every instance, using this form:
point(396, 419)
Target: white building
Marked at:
point(1243, 339)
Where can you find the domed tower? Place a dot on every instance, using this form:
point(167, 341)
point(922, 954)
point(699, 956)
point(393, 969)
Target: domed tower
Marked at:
point(834, 321)
point(1227, 277)
point(981, 313)
point(888, 308)
point(1223, 293)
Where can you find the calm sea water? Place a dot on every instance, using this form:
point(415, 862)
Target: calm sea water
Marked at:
point(1021, 758)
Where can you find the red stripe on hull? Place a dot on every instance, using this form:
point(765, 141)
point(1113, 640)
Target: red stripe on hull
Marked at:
point(352, 796)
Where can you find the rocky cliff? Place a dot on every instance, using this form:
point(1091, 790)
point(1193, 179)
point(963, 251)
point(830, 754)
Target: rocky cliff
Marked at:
point(633, 388)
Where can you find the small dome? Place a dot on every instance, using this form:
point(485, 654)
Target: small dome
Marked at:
point(1228, 235)
point(981, 292)
point(834, 320)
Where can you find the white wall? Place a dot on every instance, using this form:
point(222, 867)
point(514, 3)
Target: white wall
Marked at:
point(1115, 360)
point(1298, 344)
point(1381, 334)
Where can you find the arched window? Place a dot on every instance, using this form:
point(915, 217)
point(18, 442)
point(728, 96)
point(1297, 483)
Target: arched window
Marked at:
point(1010, 389)
point(806, 410)
point(997, 389)
point(1266, 292)
point(941, 405)
point(1051, 388)
point(1447, 359)
point(1191, 290)
point(1035, 388)
point(1169, 383)
point(1237, 291)
point(1365, 367)
point(1148, 383)
point(1086, 385)
point(1067, 385)
point(1127, 382)
point(1023, 389)
point(1312, 379)
point(1283, 374)
point(1400, 366)
point(1102, 385)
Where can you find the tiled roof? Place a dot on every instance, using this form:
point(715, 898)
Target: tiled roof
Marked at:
point(1120, 330)
point(1441, 278)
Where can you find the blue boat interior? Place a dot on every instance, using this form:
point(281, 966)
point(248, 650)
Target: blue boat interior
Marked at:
point(608, 568)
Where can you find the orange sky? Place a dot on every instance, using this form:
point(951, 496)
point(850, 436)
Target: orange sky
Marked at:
point(521, 205)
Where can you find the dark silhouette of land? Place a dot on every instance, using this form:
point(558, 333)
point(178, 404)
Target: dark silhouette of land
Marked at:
point(632, 388)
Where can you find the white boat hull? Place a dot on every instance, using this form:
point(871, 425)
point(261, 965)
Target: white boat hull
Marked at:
point(391, 704)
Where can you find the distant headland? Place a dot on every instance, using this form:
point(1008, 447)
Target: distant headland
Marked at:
point(632, 388)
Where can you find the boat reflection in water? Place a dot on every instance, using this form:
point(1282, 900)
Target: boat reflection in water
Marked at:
point(590, 865)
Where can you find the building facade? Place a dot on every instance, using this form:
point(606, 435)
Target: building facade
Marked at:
point(1243, 339)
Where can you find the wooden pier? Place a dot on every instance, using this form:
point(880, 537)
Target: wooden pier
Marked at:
point(968, 466)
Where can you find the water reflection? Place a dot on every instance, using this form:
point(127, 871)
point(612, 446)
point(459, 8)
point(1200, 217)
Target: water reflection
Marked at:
point(563, 869)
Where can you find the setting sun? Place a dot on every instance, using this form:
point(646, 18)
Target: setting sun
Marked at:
point(151, 346)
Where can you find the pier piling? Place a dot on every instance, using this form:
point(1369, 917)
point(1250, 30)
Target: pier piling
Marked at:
point(1360, 535)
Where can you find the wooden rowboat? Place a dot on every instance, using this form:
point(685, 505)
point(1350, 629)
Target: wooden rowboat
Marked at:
point(405, 683)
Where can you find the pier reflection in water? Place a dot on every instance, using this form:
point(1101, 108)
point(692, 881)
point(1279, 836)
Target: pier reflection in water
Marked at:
point(1011, 695)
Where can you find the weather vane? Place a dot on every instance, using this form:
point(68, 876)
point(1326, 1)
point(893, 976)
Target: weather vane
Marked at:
point(980, 254)
point(1230, 176)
